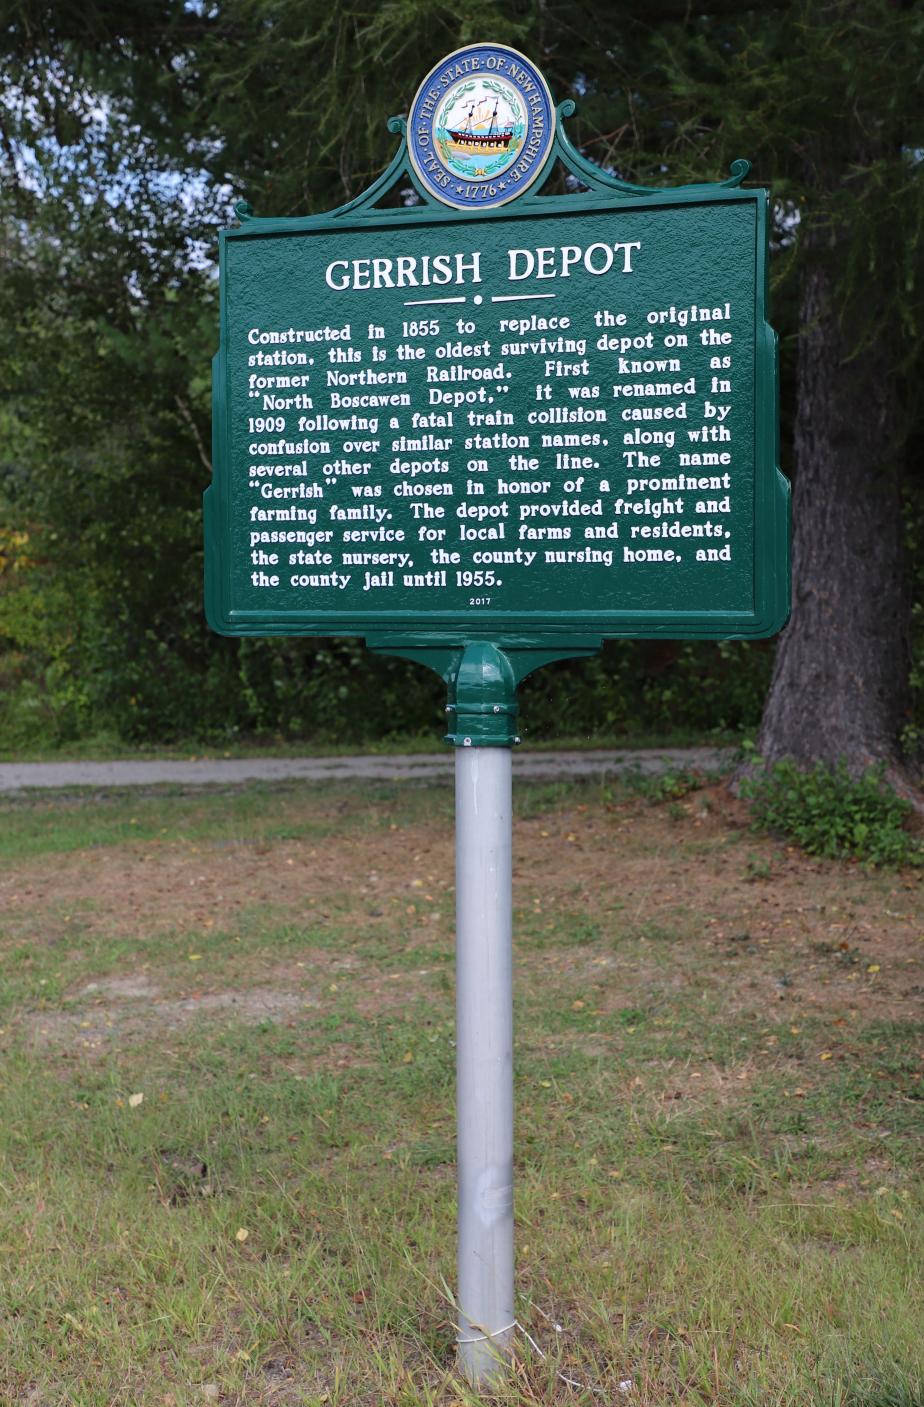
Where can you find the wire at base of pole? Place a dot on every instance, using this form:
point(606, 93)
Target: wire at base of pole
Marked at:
point(625, 1385)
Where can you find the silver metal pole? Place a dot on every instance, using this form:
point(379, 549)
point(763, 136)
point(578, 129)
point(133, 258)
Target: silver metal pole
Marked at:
point(484, 1058)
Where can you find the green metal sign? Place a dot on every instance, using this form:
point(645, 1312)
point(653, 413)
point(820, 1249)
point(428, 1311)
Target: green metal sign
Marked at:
point(533, 423)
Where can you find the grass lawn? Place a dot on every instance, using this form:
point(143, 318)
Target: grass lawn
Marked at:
point(226, 1104)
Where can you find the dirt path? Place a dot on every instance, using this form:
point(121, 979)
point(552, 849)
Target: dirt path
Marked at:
point(20, 776)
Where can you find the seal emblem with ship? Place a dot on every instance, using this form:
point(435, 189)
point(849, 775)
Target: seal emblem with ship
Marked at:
point(490, 133)
point(480, 127)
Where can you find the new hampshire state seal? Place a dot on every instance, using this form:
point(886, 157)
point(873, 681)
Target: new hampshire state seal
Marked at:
point(481, 126)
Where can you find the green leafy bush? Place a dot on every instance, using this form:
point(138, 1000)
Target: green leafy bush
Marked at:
point(829, 813)
point(657, 787)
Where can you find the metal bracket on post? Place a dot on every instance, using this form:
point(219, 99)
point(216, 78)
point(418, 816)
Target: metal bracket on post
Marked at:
point(483, 674)
point(483, 706)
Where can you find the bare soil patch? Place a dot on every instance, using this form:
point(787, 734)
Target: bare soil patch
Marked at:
point(163, 886)
point(677, 896)
point(710, 899)
point(91, 1028)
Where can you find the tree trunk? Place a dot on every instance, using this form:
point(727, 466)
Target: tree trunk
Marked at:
point(840, 679)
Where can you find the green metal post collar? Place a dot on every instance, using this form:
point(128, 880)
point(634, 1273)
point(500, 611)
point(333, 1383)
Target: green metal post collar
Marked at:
point(482, 677)
point(483, 706)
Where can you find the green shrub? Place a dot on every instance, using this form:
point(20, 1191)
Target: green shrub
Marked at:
point(829, 813)
point(656, 787)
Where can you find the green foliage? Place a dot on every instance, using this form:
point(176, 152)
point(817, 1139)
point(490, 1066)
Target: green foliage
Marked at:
point(649, 686)
point(829, 813)
point(658, 787)
point(129, 131)
point(67, 674)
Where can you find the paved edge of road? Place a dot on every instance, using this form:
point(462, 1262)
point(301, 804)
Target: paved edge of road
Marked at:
point(18, 777)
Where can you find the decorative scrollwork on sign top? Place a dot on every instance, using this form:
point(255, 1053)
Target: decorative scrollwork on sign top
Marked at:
point(597, 179)
point(739, 171)
point(586, 171)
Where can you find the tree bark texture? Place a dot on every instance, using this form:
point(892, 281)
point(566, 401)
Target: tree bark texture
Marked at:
point(840, 679)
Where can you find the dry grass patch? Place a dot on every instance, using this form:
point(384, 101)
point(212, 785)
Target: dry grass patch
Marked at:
point(162, 886)
point(682, 899)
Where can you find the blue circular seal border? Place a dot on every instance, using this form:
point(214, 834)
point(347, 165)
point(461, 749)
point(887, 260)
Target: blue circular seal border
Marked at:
point(484, 189)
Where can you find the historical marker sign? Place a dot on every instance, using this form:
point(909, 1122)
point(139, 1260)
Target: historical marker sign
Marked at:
point(486, 432)
point(551, 416)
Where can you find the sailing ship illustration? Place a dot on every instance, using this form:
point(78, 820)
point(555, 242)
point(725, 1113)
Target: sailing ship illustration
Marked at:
point(475, 141)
